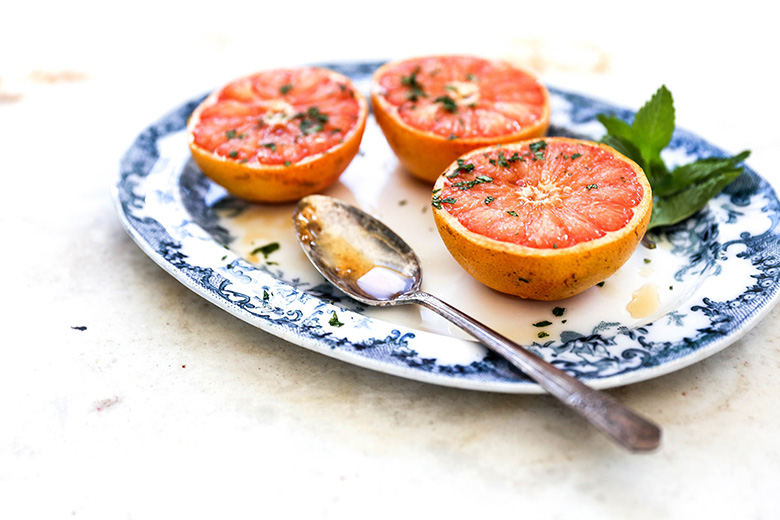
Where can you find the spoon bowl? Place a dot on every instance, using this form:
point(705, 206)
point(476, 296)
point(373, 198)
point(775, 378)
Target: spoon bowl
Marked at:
point(355, 252)
point(370, 263)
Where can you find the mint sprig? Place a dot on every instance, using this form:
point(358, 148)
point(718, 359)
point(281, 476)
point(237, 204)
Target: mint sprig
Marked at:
point(677, 193)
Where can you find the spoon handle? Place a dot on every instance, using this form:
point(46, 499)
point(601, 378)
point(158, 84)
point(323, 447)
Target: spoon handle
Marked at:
point(601, 410)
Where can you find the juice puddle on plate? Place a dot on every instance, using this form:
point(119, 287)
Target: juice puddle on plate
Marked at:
point(645, 301)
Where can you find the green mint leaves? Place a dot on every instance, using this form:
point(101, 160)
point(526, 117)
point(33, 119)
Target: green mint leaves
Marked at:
point(681, 192)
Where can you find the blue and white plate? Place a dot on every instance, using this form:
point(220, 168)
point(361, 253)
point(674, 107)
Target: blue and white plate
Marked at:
point(706, 283)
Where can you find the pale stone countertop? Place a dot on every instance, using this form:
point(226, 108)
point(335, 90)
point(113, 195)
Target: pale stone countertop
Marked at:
point(165, 406)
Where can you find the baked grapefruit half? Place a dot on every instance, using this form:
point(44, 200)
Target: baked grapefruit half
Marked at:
point(542, 219)
point(434, 109)
point(278, 135)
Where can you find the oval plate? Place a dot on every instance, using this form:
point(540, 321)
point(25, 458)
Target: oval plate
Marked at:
point(709, 280)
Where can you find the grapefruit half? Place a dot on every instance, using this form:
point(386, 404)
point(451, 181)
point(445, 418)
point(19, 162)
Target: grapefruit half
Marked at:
point(278, 135)
point(434, 109)
point(542, 219)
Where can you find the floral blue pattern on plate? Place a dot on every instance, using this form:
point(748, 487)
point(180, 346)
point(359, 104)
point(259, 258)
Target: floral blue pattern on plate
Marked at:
point(711, 278)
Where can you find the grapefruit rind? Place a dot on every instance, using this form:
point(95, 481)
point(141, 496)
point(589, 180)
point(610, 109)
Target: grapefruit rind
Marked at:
point(426, 154)
point(278, 183)
point(543, 273)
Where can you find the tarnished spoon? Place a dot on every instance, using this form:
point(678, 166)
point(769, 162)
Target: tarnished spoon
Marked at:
point(370, 263)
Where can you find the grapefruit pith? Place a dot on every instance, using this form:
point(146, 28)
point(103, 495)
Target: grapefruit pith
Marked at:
point(278, 135)
point(434, 109)
point(542, 219)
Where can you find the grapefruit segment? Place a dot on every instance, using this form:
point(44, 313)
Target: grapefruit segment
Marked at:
point(436, 108)
point(278, 135)
point(542, 219)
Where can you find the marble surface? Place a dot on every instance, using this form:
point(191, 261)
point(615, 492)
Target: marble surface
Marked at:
point(125, 395)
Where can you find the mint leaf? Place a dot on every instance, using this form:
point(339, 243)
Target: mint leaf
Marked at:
point(676, 208)
point(616, 127)
point(626, 147)
point(697, 171)
point(654, 125)
point(650, 132)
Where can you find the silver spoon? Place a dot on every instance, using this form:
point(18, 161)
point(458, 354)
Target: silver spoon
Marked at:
point(367, 261)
